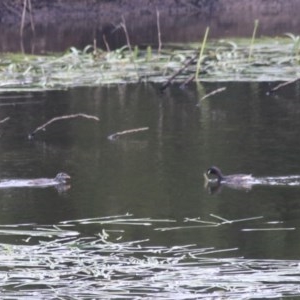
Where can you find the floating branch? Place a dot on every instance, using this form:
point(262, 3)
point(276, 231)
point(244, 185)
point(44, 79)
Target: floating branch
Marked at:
point(116, 135)
point(277, 87)
point(42, 127)
point(187, 81)
point(4, 120)
point(269, 229)
point(213, 93)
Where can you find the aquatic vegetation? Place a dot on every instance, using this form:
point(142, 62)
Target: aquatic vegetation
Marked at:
point(59, 262)
point(272, 59)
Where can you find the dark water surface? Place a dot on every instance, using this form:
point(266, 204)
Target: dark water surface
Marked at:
point(158, 173)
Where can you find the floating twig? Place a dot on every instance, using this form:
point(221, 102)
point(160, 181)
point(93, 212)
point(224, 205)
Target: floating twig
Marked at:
point(220, 218)
point(116, 135)
point(43, 126)
point(269, 229)
point(213, 93)
point(277, 87)
point(4, 120)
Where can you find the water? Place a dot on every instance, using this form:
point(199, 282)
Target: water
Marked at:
point(158, 173)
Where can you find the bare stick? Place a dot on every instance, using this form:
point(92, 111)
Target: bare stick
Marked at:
point(166, 84)
point(277, 87)
point(94, 46)
point(190, 79)
point(158, 31)
point(116, 135)
point(213, 93)
point(220, 218)
point(106, 43)
point(31, 17)
point(123, 25)
point(252, 40)
point(62, 118)
point(23, 18)
point(4, 120)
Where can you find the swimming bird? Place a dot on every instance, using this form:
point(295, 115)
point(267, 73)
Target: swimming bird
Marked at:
point(62, 178)
point(59, 180)
point(229, 179)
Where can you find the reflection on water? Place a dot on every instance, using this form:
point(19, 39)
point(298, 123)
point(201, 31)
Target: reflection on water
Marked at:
point(157, 173)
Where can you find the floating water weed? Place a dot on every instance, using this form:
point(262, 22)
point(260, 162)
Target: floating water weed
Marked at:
point(271, 60)
point(84, 267)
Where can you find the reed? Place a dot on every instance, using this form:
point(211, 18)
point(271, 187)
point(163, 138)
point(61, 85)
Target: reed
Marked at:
point(201, 54)
point(158, 31)
point(253, 40)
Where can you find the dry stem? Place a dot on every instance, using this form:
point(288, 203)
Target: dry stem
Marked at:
point(114, 136)
point(4, 120)
point(24, 15)
point(277, 87)
point(43, 126)
point(213, 93)
point(158, 31)
point(166, 84)
point(123, 25)
point(106, 43)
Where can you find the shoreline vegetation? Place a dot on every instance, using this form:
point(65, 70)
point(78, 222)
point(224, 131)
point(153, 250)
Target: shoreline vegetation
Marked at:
point(258, 60)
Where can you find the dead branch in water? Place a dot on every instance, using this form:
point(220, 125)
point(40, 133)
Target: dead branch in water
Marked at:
point(213, 93)
point(4, 120)
point(166, 84)
point(116, 135)
point(186, 82)
point(43, 126)
point(277, 87)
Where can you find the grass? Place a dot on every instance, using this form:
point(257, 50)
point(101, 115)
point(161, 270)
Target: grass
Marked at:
point(272, 59)
point(61, 263)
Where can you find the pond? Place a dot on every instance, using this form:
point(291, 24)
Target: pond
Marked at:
point(149, 184)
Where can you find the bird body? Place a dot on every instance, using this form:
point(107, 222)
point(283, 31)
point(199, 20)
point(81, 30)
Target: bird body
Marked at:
point(235, 178)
